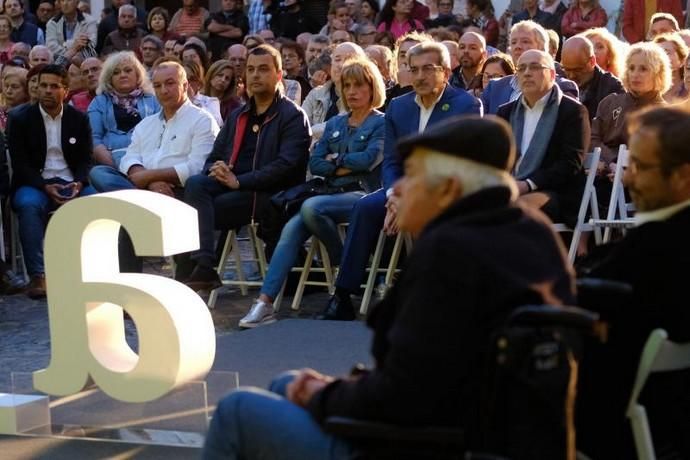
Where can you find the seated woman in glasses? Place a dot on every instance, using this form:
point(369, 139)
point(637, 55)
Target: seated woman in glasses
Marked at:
point(347, 157)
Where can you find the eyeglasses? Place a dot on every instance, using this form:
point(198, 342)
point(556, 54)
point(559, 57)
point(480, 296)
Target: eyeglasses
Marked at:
point(426, 69)
point(533, 67)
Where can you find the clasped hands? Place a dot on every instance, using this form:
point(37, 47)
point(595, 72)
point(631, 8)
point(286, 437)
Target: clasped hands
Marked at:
point(305, 385)
point(62, 193)
point(222, 172)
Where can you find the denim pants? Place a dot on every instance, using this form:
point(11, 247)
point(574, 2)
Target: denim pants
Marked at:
point(255, 424)
point(33, 207)
point(318, 216)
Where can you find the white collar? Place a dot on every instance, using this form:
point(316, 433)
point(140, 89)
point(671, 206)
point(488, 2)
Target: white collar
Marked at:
point(660, 214)
point(47, 115)
point(537, 105)
point(418, 100)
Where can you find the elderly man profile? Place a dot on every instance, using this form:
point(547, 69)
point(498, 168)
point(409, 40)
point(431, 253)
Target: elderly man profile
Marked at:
point(524, 36)
point(552, 131)
point(458, 199)
point(432, 101)
point(166, 149)
point(580, 65)
point(651, 258)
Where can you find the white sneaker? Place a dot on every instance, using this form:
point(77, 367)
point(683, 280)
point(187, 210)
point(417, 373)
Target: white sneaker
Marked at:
point(261, 313)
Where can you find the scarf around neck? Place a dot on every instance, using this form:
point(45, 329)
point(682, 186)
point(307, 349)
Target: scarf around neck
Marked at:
point(127, 101)
point(533, 157)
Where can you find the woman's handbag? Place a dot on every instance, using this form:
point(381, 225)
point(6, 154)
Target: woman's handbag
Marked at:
point(288, 202)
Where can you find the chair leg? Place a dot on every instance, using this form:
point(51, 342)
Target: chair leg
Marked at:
point(395, 256)
point(297, 300)
point(572, 251)
point(220, 269)
point(373, 273)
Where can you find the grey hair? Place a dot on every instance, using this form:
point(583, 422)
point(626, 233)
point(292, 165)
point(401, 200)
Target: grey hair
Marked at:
point(41, 48)
point(323, 39)
point(540, 34)
point(105, 81)
point(430, 47)
point(127, 7)
point(155, 40)
point(473, 175)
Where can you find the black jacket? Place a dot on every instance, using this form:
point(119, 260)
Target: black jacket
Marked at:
point(26, 141)
point(601, 85)
point(653, 259)
point(470, 267)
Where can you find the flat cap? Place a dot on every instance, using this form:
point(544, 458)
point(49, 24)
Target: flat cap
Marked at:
point(487, 140)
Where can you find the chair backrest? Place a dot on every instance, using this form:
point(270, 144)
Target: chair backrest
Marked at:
point(658, 355)
point(617, 202)
point(589, 195)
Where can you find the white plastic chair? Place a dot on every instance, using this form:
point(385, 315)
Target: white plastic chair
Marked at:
point(658, 355)
point(587, 203)
point(617, 216)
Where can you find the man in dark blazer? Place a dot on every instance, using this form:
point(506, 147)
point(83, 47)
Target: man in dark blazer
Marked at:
point(524, 36)
point(580, 65)
point(552, 132)
point(432, 101)
point(50, 147)
point(653, 259)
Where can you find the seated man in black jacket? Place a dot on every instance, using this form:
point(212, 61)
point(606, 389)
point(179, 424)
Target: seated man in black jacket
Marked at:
point(652, 258)
point(432, 329)
point(262, 149)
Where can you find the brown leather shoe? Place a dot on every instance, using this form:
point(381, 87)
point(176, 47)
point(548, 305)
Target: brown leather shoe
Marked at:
point(37, 287)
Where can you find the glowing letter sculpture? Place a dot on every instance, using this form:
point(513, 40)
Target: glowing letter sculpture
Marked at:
point(86, 294)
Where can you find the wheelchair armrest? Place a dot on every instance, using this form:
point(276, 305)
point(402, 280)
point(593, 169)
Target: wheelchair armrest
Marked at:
point(555, 316)
point(603, 296)
point(365, 430)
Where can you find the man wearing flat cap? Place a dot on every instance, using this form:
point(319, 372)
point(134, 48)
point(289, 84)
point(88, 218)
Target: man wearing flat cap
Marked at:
point(477, 257)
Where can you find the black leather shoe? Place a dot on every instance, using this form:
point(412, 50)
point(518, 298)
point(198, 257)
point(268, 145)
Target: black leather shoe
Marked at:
point(203, 279)
point(338, 309)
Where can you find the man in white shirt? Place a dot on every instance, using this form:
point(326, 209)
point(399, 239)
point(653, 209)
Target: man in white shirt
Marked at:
point(167, 147)
point(50, 146)
point(551, 131)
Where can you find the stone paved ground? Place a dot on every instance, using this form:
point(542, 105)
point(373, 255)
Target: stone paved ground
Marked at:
point(24, 334)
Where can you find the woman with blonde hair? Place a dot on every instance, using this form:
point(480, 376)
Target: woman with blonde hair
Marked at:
point(124, 98)
point(677, 53)
point(14, 91)
point(347, 156)
point(608, 50)
point(646, 78)
point(220, 82)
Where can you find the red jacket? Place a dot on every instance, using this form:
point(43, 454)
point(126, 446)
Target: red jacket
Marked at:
point(573, 22)
point(634, 17)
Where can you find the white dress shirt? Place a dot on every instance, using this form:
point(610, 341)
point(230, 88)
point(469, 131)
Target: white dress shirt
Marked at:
point(660, 214)
point(183, 142)
point(424, 113)
point(532, 117)
point(55, 164)
point(210, 104)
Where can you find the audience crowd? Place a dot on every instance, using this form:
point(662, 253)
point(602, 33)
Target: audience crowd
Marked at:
point(231, 111)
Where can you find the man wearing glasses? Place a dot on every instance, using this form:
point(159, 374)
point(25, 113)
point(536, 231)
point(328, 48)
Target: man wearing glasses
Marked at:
point(651, 258)
point(432, 101)
point(580, 65)
point(551, 131)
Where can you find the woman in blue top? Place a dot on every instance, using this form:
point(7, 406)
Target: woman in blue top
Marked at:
point(125, 97)
point(347, 156)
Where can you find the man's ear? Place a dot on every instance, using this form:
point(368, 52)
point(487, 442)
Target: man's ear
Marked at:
point(448, 192)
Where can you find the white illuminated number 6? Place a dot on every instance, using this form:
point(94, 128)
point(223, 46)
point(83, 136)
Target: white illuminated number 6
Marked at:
point(86, 290)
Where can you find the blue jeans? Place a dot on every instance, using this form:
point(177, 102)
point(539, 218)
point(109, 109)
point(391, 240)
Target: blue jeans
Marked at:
point(33, 207)
point(251, 423)
point(109, 179)
point(318, 216)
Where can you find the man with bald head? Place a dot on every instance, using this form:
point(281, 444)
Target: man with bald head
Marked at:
point(580, 65)
point(524, 36)
point(549, 162)
point(471, 55)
